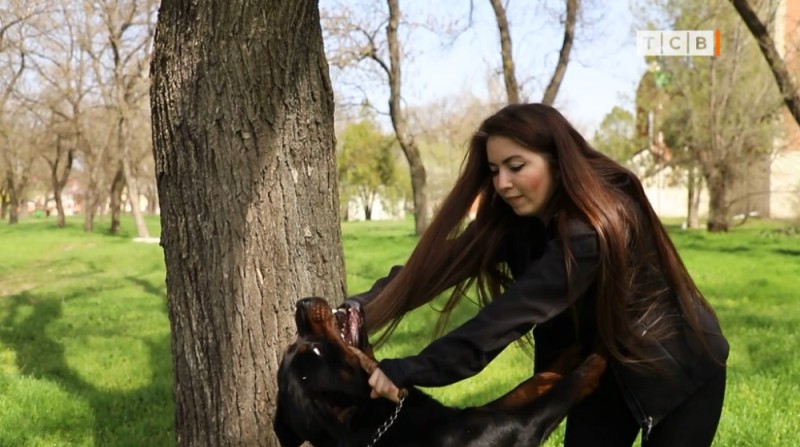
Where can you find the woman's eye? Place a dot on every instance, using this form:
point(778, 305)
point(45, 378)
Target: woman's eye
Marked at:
point(493, 172)
point(516, 168)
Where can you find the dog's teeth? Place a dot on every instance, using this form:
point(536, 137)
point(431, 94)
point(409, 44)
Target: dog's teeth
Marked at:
point(316, 351)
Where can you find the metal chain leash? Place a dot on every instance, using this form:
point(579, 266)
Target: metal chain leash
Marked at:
point(388, 423)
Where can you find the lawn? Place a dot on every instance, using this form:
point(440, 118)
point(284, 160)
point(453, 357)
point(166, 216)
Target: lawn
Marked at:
point(84, 335)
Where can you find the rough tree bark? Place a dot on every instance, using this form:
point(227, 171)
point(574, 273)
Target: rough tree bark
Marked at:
point(244, 149)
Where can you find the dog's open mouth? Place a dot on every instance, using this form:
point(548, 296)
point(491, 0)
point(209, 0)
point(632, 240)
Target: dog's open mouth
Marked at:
point(349, 322)
point(344, 329)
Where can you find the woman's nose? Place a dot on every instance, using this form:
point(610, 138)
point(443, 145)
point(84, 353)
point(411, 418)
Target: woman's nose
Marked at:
point(502, 180)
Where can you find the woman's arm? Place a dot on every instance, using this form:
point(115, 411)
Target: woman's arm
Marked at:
point(539, 294)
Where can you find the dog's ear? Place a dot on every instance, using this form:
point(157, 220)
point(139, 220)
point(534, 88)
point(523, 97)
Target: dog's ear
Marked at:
point(286, 437)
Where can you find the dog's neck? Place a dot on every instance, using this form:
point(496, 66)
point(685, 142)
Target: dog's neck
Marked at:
point(413, 417)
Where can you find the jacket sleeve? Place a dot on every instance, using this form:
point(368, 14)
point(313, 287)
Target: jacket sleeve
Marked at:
point(539, 294)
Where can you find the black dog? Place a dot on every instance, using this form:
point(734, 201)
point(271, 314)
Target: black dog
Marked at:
point(324, 398)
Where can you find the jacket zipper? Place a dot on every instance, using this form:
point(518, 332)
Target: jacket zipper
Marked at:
point(645, 421)
point(647, 427)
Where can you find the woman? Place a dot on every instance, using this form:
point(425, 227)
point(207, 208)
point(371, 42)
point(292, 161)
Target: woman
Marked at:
point(565, 243)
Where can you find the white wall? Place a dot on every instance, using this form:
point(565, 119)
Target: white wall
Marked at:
point(785, 185)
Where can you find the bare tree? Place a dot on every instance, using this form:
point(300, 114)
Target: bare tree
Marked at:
point(16, 31)
point(60, 164)
point(789, 90)
point(18, 156)
point(399, 121)
point(360, 42)
point(509, 75)
point(121, 66)
point(243, 140)
point(58, 152)
point(64, 68)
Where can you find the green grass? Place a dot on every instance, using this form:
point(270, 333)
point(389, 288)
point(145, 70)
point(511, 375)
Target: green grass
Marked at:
point(84, 339)
point(84, 335)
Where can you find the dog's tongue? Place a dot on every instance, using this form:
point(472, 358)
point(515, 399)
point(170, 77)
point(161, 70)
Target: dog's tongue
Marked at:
point(353, 327)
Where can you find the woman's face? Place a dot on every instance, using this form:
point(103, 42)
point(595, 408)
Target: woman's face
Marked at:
point(523, 178)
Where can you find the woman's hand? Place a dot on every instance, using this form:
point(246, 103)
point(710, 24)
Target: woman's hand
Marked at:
point(382, 386)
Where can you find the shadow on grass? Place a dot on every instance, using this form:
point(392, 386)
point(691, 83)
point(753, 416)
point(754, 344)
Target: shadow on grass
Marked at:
point(121, 418)
point(787, 252)
point(704, 246)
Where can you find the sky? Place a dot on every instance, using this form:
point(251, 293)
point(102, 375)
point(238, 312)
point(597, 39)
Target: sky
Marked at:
point(603, 71)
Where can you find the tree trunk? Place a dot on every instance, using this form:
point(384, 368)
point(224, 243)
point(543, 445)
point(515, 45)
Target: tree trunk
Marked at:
point(92, 195)
point(134, 197)
point(694, 189)
point(90, 204)
point(115, 199)
point(244, 148)
point(152, 199)
point(4, 200)
point(400, 124)
point(61, 220)
point(128, 175)
point(13, 213)
point(368, 202)
point(59, 179)
point(13, 201)
point(507, 55)
point(718, 205)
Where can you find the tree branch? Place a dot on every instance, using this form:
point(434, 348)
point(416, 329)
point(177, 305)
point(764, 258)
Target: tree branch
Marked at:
point(784, 80)
point(563, 58)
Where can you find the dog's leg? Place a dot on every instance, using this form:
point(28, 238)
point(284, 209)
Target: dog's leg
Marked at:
point(529, 390)
point(544, 415)
point(526, 392)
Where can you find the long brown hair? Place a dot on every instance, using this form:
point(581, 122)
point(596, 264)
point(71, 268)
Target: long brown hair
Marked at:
point(589, 186)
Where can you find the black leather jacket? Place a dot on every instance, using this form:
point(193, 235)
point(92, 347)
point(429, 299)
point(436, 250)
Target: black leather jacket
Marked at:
point(561, 314)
